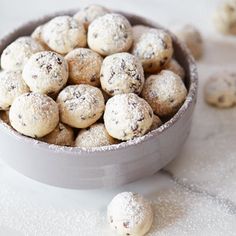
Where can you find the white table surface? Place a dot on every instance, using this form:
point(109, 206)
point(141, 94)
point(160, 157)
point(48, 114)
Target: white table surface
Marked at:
point(196, 195)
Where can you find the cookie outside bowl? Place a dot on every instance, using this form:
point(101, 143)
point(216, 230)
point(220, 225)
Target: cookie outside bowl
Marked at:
point(87, 168)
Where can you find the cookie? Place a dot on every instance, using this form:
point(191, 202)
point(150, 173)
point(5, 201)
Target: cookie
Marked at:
point(94, 136)
point(130, 214)
point(46, 72)
point(165, 92)
point(122, 73)
point(84, 66)
point(109, 34)
point(138, 30)
point(156, 123)
point(63, 33)
point(154, 49)
point(16, 54)
point(89, 14)
point(80, 105)
point(192, 38)
point(12, 85)
point(127, 116)
point(220, 89)
point(62, 135)
point(37, 35)
point(175, 67)
point(225, 17)
point(34, 114)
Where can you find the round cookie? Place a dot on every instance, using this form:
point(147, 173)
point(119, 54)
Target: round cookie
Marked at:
point(84, 66)
point(90, 13)
point(80, 105)
point(122, 73)
point(62, 135)
point(16, 54)
point(130, 214)
point(220, 89)
point(34, 114)
point(175, 67)
point(109, 34)
point(189, 35)
point(37, 35)
point(127, 116)
point(138, 30)
point(94, 136)
point(11, 86)
point(156, 123)
point(225, 17)
point(165, 92)
point(154, 49)
point(46, 72)
point(63, 33)
point(4, 116)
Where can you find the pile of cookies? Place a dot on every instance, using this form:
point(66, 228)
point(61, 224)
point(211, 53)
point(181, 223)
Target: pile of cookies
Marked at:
point(90, 80)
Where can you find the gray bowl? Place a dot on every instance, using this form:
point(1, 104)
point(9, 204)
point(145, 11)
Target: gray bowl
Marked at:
point(105, 166)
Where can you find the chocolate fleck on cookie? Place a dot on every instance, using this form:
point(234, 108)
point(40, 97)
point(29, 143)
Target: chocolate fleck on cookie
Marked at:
point(122, 73)
point(127, 116)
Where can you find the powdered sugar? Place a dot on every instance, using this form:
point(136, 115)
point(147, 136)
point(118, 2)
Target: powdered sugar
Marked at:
point(110, 34)
point(122, 73)
point(130, 214)
point(18, 53)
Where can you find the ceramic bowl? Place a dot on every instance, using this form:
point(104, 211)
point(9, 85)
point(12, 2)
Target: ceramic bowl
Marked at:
point(105, 166)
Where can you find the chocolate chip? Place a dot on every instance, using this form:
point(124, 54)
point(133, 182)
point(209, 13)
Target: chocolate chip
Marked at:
point(59, 62)
point(122, 65)
point(221, 99)
point(13, 87)
point(93, 78)
point(126, 224)
point(134, 127)
point(150, 113)
point(49, 68)
point(111, 219)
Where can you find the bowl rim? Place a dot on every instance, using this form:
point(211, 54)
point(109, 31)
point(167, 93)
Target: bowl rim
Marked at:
point(191, 97)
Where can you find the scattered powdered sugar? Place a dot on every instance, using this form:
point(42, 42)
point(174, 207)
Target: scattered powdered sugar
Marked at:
point(182, 212)
point(177, 210)
point(20, 214)
point(208, 160)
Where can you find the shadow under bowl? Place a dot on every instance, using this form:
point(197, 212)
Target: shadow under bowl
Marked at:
point(103, 166)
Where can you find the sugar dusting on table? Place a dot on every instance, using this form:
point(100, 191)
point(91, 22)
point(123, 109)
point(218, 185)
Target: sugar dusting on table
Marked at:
point(177, 212)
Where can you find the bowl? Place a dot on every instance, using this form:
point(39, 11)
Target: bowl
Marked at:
point(107, 166)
